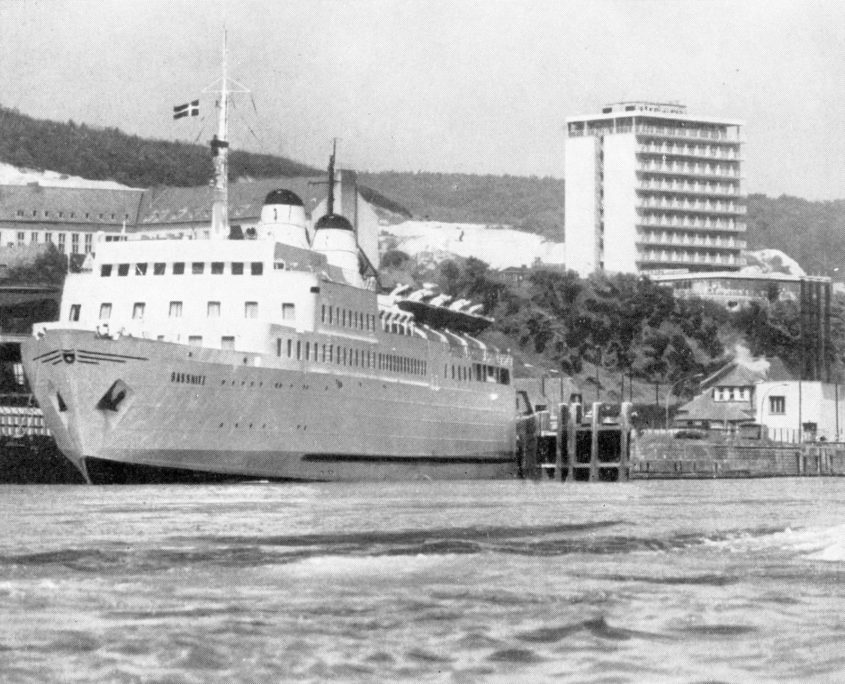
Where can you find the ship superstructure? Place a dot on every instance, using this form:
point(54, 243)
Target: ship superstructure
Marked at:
point(271, 357)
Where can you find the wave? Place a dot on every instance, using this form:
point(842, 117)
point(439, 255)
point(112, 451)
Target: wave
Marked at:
point(597, 538)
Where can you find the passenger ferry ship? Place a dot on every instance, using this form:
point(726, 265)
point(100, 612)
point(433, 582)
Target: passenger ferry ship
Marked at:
point(265, 358)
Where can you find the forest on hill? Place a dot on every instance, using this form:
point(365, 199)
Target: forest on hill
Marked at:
point(110, 154)
point(622, 325)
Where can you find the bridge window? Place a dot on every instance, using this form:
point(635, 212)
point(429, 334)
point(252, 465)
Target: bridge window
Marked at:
point(195, 340)
point(175, 310)
point(257, 268)
point(123, 269)
point(288, 311)
point(140, 269)
point(178, 267)
point(227, 342)
point(213, 310)
point(216, 267)
point(197, 267)
point(105, 311)
point(250, 309)
point(159, 268)
point(105, 270)
point(75, 310)
point(237, 268)
point(138, 310)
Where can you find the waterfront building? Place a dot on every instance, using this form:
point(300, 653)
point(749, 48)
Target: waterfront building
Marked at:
point(737, 289)
point(650, 189)
point(76, 218)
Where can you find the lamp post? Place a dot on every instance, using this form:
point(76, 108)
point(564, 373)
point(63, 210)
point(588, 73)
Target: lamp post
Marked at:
point(672, 389)
point(763, 403)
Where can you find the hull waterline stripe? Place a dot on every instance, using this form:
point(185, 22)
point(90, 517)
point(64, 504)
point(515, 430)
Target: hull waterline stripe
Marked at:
point(406, 460)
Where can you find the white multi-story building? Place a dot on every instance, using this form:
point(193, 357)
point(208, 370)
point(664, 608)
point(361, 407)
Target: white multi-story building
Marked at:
point(651, 189)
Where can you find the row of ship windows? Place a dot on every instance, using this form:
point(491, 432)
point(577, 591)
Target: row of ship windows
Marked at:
point(346, 356)
point(335, 315)
point(103, 216)
point(256, 268)
point(365, 358)
point(288, 310)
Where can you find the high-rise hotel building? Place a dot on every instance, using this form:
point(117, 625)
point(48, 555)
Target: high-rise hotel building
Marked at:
point(651, 189)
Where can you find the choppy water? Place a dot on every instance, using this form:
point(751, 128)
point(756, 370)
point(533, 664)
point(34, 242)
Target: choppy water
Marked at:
point(468, 581)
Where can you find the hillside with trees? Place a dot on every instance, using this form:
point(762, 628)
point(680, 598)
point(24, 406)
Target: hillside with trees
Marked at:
point(110, 154)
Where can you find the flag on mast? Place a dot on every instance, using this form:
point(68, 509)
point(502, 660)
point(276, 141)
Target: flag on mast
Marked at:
point(187, 109)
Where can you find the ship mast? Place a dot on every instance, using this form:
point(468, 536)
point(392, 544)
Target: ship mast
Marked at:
point(220, 153)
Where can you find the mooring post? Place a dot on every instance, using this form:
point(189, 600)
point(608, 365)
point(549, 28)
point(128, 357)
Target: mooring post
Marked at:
point(531, 441)
point(560, 448)
point(624, 443)
point(594, 442)
point(572, 439)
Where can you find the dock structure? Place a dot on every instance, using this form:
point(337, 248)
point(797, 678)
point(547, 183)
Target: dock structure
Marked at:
point(571, 445)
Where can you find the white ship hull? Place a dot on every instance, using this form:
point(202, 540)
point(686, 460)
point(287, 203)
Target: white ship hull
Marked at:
point(135, 409)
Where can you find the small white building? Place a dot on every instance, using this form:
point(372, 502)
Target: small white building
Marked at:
point(804, 410)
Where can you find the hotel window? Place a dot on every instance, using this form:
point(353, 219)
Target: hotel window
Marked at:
point(48, 237)
point(140, 269)
point(105, 311)
point(290, 348)
point(322, 313)
point(195, 340)
point(105, 270)
point(61, 242)
point(288, 311)
point(123, 269)
point(33, 237)
point(227, 343)
point(777, 405)
point(74, 243)
point(216, 267)
point(178, 267)
point(237, 268)
point(197, 267)
point(88, 242)
point(175, 310)
point(75, 310)
point(21, 238)
point(159, 268)
point(257, 268)
point(250, 309)
point(213, 309)
point(138, 310)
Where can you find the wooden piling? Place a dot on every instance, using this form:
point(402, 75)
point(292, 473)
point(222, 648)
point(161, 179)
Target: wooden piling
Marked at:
point(594, 442)
point(624, 441)
point(574, 420)
point(560, 446)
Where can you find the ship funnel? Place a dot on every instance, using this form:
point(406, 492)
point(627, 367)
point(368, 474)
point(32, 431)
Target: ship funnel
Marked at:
point(335, 237)
point(283, 219)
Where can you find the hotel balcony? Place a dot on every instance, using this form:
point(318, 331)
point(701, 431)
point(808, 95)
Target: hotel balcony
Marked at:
point(697, 206)
point(689, 188)
point(652, 259)
point(687, 223)
point(686, 240)
point(692, 134)
point(691, 170)
point(691, 151)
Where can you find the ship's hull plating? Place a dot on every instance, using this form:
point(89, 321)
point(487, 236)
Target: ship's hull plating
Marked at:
point(136, 410)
